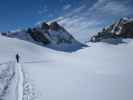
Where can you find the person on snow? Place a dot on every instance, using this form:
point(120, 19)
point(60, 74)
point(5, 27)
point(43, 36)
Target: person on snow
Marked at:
point(17, 58)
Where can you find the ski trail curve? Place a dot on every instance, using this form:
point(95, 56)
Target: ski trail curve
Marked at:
point(20, 81)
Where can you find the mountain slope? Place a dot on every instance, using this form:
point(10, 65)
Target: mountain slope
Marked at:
point(98, 72)
point(52, 36)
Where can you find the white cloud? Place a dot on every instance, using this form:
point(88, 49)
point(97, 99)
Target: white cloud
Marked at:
point(66, 7)
point(111, 7)
point(115, 8)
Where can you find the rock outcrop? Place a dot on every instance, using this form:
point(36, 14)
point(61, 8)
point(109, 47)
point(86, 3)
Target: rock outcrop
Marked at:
point(121, 29)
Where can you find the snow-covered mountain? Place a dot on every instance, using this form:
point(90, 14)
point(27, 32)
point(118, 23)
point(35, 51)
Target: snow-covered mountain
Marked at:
point(98, 72)
point(50, 35)
point(120, 29)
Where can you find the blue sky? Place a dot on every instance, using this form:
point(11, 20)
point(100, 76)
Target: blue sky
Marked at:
point(80, 17)
point(22, 13)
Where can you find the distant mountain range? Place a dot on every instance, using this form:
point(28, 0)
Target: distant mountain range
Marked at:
point(50, 35)
point(56, 37)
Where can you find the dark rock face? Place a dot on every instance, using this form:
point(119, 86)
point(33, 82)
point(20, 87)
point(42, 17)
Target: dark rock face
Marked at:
point(38, 36)
point(127, 30)
point(54, 26)
point(43, 34)
point(44, 26)
point(121, 29)
point(4, 34)
point(101, 36)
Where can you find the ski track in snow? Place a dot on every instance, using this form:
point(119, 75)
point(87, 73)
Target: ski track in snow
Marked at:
point(20, 81)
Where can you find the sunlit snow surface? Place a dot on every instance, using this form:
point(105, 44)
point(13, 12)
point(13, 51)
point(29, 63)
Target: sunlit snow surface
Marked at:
point(99, 72)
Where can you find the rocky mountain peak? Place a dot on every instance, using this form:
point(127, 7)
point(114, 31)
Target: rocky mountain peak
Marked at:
point(45, 26)
point(55, 26)
point(51, 35)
